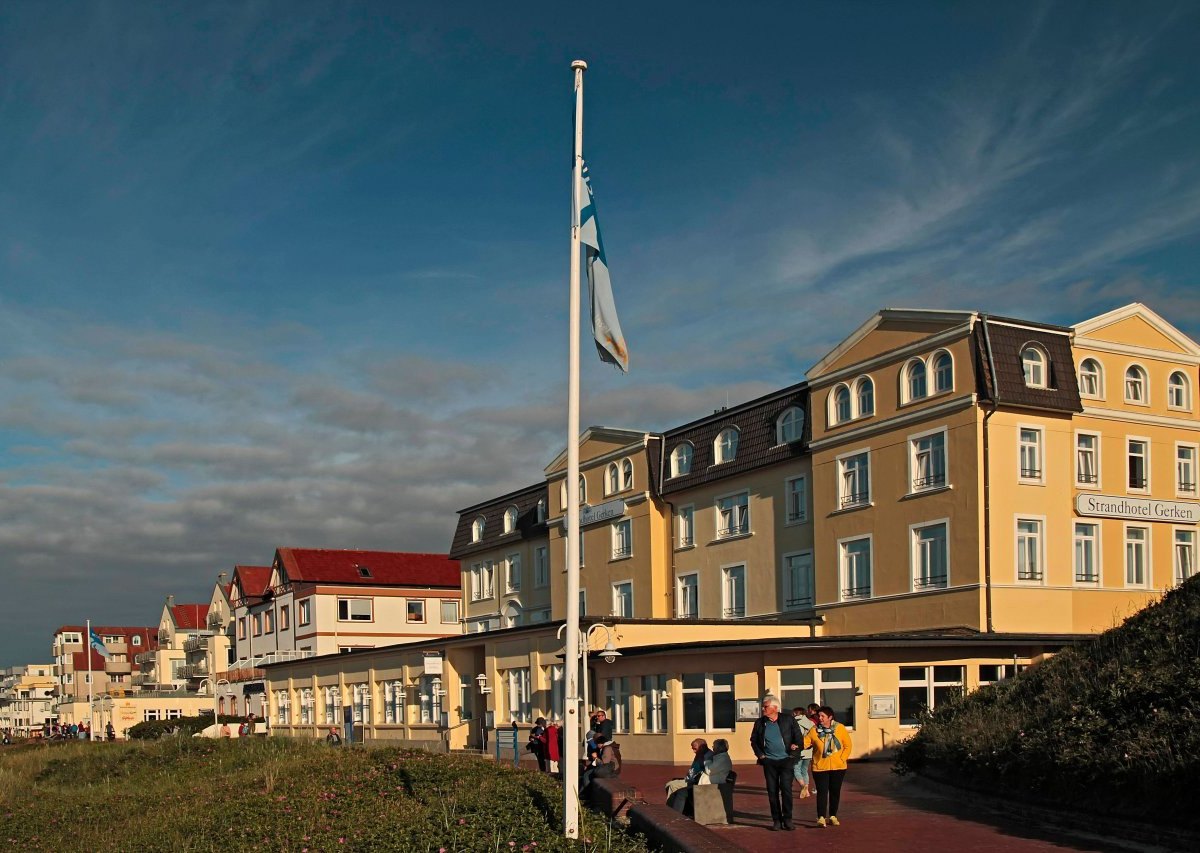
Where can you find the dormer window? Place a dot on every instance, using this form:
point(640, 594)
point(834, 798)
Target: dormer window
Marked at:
point(681, 460)
point(915, 386)
point(725, 447)
point(477, 529)
point(541, 511)
point(790, 426)
point(510, 519)
point(364, 571)
point(1035, 366)
point(1091, 380)
point(1135, 385)
point(943, 372)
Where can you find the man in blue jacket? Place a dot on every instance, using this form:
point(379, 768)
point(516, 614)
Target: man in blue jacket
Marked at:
point(776, 741)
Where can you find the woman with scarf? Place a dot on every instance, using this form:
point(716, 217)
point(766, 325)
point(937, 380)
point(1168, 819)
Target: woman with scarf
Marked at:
point(830, 743)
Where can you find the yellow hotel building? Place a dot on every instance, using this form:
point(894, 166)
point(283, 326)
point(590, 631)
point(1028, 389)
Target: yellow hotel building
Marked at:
point(948, 498)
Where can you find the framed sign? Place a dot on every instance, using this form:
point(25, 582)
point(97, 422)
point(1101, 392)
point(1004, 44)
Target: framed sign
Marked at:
point(882, 707)
point(747, 710)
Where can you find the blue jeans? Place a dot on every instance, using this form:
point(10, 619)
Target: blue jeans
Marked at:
point(801, 770)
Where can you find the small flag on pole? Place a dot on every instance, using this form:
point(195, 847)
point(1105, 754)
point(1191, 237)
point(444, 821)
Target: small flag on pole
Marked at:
point(98, 645)
point(610, 342)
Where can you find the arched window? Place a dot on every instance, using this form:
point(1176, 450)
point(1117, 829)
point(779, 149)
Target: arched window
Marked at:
point(1035, 366)
point(915, 386)
point(1135, 385)
point(582, 490)
point(841, 404)
point(562, 492)
point(477, 529)
point(1091, 379)
point(790, 426)
point(626, 474)
point(943, 372)
point(865, 396)
point(510, 519)
point(1178, 392)
point(681, 460)
point(725, 447)
point(612, 479)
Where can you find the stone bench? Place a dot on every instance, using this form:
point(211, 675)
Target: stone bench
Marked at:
point(667, 829)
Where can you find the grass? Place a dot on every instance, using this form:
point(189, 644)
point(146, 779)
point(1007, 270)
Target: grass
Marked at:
point(183, 794)
point(1112, 725)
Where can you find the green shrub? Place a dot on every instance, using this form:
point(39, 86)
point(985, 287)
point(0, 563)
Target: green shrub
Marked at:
point(184, 726)
point(1110, 725)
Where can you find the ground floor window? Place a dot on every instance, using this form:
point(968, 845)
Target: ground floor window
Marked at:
point(281, 705)
point(333, 702)
point(617, 692)
point(149, 714)
point(519, 707)
point(554, 677)
point(708, 702)
point(174, 714)
point(306, 707)
point(924, 687)
point(360, 696)
point(990, 673)
point(654, 703)
point(832, 686)
point(393, 702)
point(430, 697)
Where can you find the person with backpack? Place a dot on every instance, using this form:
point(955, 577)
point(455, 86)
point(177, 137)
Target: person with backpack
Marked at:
point(806, 718)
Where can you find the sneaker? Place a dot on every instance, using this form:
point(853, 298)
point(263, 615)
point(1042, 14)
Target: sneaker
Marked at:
point(833, 821)
point(821, 822)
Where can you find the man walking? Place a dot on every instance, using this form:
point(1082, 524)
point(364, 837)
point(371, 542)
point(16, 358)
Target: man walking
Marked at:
point(776, 740)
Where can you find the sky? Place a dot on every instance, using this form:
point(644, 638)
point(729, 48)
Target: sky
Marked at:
point(294, 274)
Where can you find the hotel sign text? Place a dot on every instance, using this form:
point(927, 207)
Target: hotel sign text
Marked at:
point(600, 512)
point(1138, 509)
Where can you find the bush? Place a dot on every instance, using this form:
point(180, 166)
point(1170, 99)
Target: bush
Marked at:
point(1110, 725)
point(184, 726)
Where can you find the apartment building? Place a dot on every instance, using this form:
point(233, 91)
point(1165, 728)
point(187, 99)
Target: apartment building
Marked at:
point(948, 498)
point(81, 670)
point(27, 698)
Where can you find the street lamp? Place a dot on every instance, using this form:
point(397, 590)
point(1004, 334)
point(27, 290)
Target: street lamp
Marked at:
point(215, 687)
point(105, 703)
point(609, 653)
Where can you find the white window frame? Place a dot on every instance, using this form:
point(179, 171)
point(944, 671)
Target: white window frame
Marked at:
point(408, 610)
point(654, 697)
point(1147, 555)
point(622, 539)
point(907, 377)
point(914, 556)
point(1184, 389)
point(929, 482)
point(681, 459)
point(1039, 451)
point(350, 609)
point(303, 612)
point(1035, 373)
point(733, 576)
point(477, 529)
point(840, 394)
point(933, 371)
point(732, 530)
point(795, 500)
point(1129, 440)
point(710, 692)
point(859, 498)
point(456, 618)
point(612, 479)
point(1099, 395)
point(541, 511)
point(622, 599)
point(681, 602)
point(512, 573)
point(1089, 541)
point(861, 383)
point(519, 705)
point(725, 445)
point(1080, 483)
point(1038, 576)
point(789, 422)
point(541, 567)
point(846, 592)
point(930, 683)
point(510, 519)
point(618, 694)
point(1142, 378)
point(1183, 537)
point(626, 474)
point(685, 527)
point(1180, 474)
point(799, 580)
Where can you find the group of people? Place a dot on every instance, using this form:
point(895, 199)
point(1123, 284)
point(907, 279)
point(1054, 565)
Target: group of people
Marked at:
point(709, 767)
point(806, 743)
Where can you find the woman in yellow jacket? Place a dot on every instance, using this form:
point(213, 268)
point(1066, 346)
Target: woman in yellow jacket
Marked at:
point(830, 744)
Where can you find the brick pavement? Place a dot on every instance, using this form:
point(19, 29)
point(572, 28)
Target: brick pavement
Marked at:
point(879, 811)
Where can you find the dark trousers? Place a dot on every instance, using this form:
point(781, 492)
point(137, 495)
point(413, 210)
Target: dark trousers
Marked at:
point(778, 775)
point(829, 791)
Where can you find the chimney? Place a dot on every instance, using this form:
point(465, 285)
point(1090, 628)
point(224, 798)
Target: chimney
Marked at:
point(170, 601)
point(221, 577)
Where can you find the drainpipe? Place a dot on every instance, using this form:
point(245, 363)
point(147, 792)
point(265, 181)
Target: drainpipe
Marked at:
point(662, 460)
point(987, 482)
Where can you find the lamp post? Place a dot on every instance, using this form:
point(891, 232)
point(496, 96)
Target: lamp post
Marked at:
point(105, 703)
point(609, 653)
point(214, 685)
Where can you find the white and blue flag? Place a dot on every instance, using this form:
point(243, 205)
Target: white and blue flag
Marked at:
point(610, 343)
point(98, 645)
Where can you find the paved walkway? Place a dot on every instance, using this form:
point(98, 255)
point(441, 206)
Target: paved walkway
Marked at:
point(879, 811)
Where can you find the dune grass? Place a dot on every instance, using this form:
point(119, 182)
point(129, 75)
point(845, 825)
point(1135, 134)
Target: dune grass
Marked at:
point(183, 794)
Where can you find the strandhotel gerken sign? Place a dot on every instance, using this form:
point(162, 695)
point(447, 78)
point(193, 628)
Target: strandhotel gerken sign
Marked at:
point(1138, 509)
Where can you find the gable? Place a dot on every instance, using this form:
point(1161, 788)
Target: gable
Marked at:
point(1135, 325)
point(886, 331)
point(595, 443)
point(1136, 331)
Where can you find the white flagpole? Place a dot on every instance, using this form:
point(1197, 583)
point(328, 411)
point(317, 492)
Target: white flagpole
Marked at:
point(87, 644)
point(571, 723)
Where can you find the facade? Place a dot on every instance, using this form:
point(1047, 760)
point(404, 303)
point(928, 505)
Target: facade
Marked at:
point(948, 498)
point(27, 698)
point(81, 671)
point(180, 626)
point(315, 602)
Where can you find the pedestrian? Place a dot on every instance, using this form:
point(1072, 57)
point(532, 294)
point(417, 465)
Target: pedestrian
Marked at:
point(776, 742)
point(553, 744)
point(805, 722)
point(333, 738)
point(537, 743)
point(831, 749)
point(109, 732)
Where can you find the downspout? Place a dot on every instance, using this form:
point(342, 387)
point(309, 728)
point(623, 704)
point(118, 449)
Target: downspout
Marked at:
point(987, 481)
point(662, 460)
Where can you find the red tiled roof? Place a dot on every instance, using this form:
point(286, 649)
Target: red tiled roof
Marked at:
point(253, 579)
point(386, 568)
point(189, 616)
point(149, 635)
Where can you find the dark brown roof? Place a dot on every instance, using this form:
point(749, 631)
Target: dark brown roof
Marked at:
point(755, 421)
point(528, 527)
point(1007, 386)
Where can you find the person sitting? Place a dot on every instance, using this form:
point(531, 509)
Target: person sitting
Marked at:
point(718, 766)
point(590, 764)
point(333, 738)
point(679, 790)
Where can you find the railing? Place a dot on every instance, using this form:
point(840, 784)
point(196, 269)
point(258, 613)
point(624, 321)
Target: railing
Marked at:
point(1030, 575)
point(1088, 479)
point(1031, 473)
point(621, 551)
point(853, 499)
point(930, 582)
point(856, 592)
point(799, 603)
point(1087, 577)
point(194, 670)
point(195, 644)
point(687, 541)
point(733, 612)
point(247, 669)
point(1137, 482)
point(736, 529)
point(794, 516)
point(145, 659)
point(1187, 487)
point(933, 481)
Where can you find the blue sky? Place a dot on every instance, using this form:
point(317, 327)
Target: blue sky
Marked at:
point(295, 273)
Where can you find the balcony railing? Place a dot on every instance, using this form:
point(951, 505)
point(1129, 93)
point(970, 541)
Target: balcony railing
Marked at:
point(195, 644)
point(145, 659)
point(687, 541)
point(621, 551)
point(801, 603)
point(247, 669)
point(1087, 577)
point(930, 582)
point(1186, 487)
point(736, 529)
point(194, 670)
point(933, 481)
point(733, 612)
point(856, 592)
point(1087, 479)
point(853, 499)
point(1031, 473)
point(1137, 482)
point(1029, 575)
